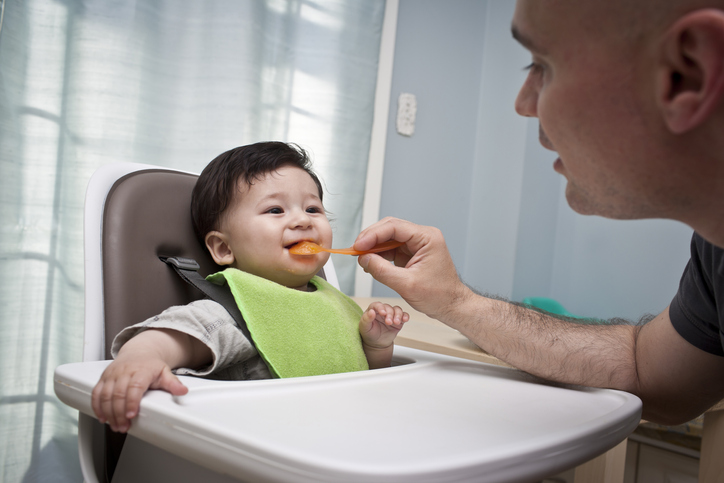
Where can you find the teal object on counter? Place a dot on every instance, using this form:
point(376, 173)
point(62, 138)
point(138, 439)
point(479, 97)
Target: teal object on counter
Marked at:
point(554, 307)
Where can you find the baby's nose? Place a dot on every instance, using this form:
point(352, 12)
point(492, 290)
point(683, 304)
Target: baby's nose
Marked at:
point(302, 220)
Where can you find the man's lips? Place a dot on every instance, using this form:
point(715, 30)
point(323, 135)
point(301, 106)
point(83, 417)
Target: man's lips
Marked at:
point(546, 145)
point(543, 139)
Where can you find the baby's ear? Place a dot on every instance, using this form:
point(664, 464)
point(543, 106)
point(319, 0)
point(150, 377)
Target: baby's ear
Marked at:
point(219, 248)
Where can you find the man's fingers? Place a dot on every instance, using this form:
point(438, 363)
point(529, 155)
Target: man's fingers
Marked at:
point(382, 270)
point(384, 230)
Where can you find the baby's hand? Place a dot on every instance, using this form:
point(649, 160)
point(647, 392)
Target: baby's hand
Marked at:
point(117, 396)
point(380, 324)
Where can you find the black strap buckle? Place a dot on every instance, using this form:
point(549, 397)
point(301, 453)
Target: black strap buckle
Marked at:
point(182, 263)
point(188, 270)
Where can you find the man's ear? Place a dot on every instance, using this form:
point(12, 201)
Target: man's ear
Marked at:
point(219, 248)
point(690, 79)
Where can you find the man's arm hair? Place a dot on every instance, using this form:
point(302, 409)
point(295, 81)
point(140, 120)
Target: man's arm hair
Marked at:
point(575, 320)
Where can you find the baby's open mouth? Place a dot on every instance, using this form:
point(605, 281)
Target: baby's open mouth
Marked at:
point(295, 243)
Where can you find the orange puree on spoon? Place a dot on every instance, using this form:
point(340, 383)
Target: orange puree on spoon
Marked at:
point(311, 248)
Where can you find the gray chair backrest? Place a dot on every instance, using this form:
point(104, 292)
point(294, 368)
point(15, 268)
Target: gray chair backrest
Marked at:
point(147, 215)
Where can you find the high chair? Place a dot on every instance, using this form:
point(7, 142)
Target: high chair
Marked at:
point(430, 417)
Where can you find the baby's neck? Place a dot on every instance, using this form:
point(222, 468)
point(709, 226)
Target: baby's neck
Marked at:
point(307, 287)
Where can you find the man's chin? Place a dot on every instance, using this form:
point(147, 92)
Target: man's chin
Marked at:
point(582, 204)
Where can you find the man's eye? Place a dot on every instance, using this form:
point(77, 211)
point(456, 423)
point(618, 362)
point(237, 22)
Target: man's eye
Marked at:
point(533, 68)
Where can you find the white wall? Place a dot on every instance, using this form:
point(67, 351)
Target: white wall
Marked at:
point(475, 169)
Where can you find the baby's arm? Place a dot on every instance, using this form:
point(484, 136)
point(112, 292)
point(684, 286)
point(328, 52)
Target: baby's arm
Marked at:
point(378, 327)
point(144, 362)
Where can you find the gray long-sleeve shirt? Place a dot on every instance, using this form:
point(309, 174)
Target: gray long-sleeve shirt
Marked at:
point(234, 356)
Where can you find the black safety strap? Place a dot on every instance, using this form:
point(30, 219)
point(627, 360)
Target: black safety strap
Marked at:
point(188, 269)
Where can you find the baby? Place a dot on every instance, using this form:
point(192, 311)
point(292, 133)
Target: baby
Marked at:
point(249, 205)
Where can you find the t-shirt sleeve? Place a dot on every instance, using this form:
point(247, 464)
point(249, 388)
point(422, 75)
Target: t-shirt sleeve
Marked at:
point(234, 357)
point(693, 311)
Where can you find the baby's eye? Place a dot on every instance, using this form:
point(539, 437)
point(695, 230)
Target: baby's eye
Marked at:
point(275, 211)
point(314, 209)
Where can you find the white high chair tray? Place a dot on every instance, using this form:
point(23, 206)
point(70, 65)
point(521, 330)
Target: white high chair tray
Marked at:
point(435, 418)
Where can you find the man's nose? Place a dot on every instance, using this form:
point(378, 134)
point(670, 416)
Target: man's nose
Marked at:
point(527, 100)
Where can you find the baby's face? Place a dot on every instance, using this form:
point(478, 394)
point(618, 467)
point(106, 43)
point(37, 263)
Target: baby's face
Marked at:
point(269, 216)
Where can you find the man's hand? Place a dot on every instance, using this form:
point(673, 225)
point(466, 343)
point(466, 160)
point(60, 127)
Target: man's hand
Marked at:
point(423, 272)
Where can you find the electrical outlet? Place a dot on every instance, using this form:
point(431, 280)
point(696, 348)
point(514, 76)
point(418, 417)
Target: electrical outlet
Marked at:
point(406, 113)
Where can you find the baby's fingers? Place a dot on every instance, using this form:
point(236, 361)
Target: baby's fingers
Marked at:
point(96, 402)
point(127, 405)
point(134, 392)
point(399, 316)
point(170, 383)
point(368, 317)
point(108, 401)
point(118, 420)
point(392, 316)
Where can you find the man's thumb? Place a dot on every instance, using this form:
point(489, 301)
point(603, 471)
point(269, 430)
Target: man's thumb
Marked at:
point(381, 270)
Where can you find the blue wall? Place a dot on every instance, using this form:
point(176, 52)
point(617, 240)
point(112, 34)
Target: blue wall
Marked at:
point(438, 57)
point(475, 170)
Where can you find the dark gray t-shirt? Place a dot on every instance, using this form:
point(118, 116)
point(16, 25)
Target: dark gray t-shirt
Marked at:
point(697, 311)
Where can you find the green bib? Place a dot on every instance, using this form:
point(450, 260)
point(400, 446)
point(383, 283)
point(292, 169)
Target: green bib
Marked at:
point(298, 333)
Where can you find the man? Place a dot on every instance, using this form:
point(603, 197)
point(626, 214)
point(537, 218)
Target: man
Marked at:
point(629, 94)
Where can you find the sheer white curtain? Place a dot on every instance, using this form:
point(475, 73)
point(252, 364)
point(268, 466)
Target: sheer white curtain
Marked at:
point(168, 82)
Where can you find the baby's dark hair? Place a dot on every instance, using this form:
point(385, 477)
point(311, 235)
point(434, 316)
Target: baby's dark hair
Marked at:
point(218, 183)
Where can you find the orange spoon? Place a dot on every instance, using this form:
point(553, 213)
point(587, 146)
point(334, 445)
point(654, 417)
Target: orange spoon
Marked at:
point(311, 248)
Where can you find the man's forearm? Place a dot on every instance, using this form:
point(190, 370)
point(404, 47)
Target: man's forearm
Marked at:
point(548, 347)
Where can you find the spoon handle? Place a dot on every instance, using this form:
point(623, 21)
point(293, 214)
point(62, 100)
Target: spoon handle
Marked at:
point(388, 245)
